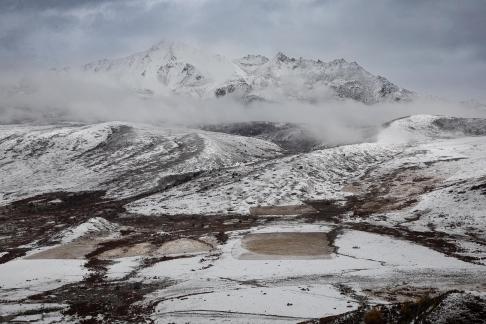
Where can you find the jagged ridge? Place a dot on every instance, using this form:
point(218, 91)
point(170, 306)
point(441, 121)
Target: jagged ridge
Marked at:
point(171, 67)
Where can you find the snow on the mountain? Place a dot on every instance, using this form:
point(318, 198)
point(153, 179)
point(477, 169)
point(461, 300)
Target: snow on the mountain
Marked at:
point(420, 128)
point(410, 129)
point(122, 158)
point(93, 225)
point(250, 63)
point(173, 67)
point(304, 79)
point(127, 159)
point(286, 181)
point(170, 67)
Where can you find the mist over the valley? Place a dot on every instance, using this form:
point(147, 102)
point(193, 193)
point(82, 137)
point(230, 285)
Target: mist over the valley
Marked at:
point(53, 97)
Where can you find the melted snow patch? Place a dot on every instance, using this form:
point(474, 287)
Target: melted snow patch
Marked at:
point(182, 246)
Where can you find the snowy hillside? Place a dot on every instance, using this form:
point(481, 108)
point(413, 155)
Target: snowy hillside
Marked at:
point(419, 128)
point(123, 158)
point(171, 67)
point(183, 171)
point(286, 181)
point(290, 136)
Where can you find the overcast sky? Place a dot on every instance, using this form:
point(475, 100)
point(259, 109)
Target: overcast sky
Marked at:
point(432, 47)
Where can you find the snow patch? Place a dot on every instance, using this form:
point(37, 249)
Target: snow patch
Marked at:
point(93, 225)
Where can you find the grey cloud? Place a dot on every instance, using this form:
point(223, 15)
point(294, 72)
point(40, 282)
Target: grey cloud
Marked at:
point(429, 46)
point(26, 5)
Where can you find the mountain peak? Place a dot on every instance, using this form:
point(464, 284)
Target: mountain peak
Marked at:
point(281, 57)
point(251, 61)
point(338, 61)
point(171, 67)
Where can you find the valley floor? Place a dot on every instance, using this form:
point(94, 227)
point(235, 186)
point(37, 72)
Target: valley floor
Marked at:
point(390, 231)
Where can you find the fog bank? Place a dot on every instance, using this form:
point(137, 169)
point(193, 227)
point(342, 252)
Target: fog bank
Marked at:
point(65, 97)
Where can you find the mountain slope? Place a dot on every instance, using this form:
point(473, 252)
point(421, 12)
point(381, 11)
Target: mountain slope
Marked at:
point(169, 67)
point(311, 80)
point(125, 159)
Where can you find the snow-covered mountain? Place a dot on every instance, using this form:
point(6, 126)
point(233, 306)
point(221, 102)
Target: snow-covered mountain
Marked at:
point(171, 67)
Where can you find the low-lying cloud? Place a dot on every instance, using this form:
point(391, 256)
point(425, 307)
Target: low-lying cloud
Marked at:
point(67, 97)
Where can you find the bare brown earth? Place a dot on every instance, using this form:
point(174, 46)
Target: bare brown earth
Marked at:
point(38, 219)
point(282, 210)
point(71, 250)
point(286, 244)
point(173, 247)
